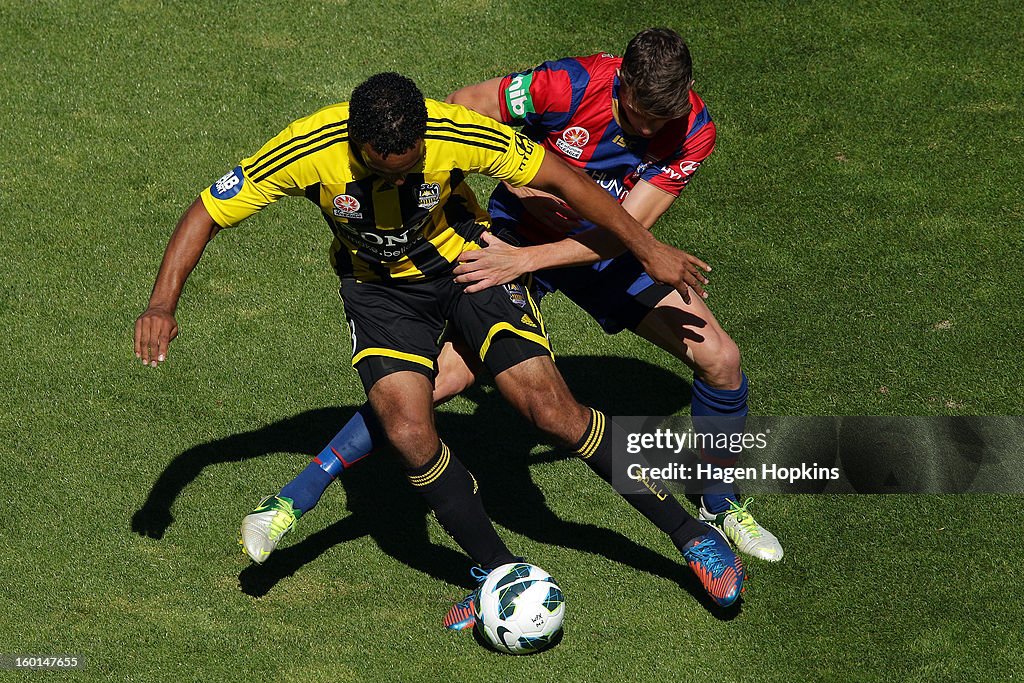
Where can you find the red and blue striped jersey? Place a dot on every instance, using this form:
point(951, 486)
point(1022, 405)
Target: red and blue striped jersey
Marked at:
point(570, 107)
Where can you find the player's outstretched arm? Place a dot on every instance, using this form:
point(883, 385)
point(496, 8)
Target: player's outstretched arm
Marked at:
point(500, 262)
point(157, 327)
point(480, 97)
point(661, 261)
point(646, 203)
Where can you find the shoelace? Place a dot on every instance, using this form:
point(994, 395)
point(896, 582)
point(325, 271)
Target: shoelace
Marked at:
point(744, 518)
point(479, 574)
point(704, 553)
point(281, 522)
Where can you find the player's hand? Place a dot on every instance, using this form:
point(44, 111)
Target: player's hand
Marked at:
point(154, 331)
point(676, 268)
point(547, 209)
point(497, 263)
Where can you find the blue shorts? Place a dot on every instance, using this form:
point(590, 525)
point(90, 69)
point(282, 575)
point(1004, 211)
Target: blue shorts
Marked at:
point(617, 293)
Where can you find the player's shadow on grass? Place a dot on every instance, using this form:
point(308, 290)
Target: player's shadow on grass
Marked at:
point(494, 443)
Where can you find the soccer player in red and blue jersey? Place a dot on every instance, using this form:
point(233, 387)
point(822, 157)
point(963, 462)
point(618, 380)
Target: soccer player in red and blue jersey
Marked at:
point(636, 126)
point(638, 129)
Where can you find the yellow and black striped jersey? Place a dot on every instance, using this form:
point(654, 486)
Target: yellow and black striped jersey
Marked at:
point(413, 231)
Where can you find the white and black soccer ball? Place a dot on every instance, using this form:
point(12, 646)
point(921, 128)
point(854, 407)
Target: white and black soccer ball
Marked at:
point(520, 609)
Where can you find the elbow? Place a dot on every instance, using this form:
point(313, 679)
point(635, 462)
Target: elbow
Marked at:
point(453, 97)
point(197, 219)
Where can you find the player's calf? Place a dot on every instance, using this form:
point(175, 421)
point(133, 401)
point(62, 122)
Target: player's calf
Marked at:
point(691, 333)
point(403, 404)
point(536, 389)
point(402, 401)
point(706, 552)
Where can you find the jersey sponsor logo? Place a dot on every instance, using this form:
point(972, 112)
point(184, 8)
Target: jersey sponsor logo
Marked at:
point(428, 195)
point(614, 186)
point(347, 206)
point(389, 246)
point(386, 245)
point(229, 184)
point(517, 95)
point(681, 170)
point(573, 141)
point(516, 294)
point(688, 167)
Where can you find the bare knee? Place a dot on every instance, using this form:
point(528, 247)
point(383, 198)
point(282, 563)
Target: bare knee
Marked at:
point(456, 370)
point(415, 441)
point(690, 332)
point(402, 404)
point(451, 382)
point(718, 362)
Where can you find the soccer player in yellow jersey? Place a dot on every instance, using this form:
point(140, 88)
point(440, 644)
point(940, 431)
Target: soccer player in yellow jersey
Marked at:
point(387, 171)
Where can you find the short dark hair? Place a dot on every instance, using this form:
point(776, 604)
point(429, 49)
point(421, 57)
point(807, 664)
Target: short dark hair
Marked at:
point(387, 111)
point(658, 70)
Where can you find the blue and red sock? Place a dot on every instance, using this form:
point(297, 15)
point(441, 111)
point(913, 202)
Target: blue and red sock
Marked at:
point(356, 440)
point(720, 412)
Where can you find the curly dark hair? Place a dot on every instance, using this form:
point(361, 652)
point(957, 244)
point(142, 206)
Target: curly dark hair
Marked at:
point(387, 111)
point(658, 69)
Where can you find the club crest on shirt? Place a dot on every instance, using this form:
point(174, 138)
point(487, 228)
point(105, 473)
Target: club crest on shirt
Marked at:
point(347, 206)
point(573, 141)
point(516, 294)
point(428, 195)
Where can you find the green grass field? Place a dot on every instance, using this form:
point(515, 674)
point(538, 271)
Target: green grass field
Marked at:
point(863, 213)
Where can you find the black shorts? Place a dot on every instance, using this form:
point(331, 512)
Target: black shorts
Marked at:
point(398, 326)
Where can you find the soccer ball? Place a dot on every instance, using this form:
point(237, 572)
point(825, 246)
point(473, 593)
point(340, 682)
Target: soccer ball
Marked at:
point(519, 609)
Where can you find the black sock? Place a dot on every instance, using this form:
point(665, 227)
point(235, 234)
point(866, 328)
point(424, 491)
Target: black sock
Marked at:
point(451, 492)
point(651, 499)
